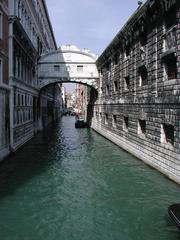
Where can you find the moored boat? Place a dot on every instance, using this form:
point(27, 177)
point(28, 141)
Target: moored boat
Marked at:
point(174, 212)
point(80, 123)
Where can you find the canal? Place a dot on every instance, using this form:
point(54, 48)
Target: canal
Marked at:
point(73, 184)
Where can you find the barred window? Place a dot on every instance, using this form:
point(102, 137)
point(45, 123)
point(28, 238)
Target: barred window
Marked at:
point(143, 76)
point(114, 121)
point(141, 127)
point(167, 133)
point(106, 118)
point(115, 86)
point(171, 69)
point(170, 17)
point(125, 123)
point(107, 89)
point(126, 83)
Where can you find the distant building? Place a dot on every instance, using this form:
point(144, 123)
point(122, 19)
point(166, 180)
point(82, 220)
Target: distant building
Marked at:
point(81, 100)
point(70, 100)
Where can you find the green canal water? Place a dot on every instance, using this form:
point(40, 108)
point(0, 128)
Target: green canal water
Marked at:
point(73, 184)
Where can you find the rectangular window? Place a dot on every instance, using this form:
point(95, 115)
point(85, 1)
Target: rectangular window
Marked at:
point(15, 102)
point(22, 100)
point(115, 86)
point(170, 17)
point(170, 34)
point(56, 68)
point(18, 102)
point(116, 59)
point(127, 51)
point(141, 127)
point(1, 25)
point(1, 71)
point(100, 116)
point(125, 123)
point(108, 66)
point(79, 68)
point(170, 69)
point(143, 76)
point(106, 118)
point(107, 89)
point(167, 134)
point(143, 39)
point(114, 121)
point(126, 83)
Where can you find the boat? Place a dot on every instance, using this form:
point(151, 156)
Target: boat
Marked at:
point(80, 123)
point(174, 212)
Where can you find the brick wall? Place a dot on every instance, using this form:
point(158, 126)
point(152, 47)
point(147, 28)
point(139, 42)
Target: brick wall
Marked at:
point(139, 105)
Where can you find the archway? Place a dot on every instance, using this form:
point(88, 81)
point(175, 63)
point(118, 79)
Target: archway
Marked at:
point(67, 65)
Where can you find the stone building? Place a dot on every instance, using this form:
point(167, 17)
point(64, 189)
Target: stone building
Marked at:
point(30, 35)
point(81, 100)
point(4, 83)
point(138, 106)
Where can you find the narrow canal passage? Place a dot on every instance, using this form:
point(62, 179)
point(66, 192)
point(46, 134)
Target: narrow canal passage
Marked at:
point(72, 184)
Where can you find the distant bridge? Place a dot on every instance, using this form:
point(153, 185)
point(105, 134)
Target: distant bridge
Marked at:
point(68, 64)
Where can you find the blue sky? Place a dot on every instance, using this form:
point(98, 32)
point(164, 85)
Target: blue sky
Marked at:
point(89, 23)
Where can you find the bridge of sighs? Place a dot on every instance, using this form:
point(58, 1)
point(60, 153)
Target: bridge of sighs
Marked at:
point(68, 64)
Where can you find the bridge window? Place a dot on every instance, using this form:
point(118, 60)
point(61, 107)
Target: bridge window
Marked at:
point(167, 133)
point(79, 68)
point(56, 68)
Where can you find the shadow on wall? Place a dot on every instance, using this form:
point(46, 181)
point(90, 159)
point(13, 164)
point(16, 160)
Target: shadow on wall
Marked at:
point(90, 107)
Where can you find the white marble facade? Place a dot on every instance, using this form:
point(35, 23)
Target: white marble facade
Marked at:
point(30, 35)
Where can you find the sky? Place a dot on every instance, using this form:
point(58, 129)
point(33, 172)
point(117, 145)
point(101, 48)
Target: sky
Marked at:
point(89, 24)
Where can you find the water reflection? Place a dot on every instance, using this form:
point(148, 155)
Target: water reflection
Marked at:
point(72, 183)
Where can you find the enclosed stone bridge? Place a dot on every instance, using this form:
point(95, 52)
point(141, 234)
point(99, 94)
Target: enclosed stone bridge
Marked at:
point(68, 64)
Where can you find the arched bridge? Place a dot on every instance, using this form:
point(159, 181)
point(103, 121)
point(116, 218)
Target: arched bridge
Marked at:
point(68, 64)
